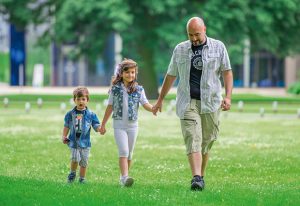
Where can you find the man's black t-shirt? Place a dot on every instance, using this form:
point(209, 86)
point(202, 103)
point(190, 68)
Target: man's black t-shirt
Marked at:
point(196, 71)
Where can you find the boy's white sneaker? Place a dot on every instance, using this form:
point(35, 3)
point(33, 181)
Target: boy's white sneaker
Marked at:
point(126, 181)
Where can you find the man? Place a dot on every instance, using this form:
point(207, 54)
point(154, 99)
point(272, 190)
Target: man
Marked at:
point(198, 63)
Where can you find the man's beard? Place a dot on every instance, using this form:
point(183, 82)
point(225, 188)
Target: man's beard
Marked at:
point(196, 43)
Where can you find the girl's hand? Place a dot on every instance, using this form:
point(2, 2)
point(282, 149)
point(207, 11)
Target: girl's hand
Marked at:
point(157, 107)
point(102, 130)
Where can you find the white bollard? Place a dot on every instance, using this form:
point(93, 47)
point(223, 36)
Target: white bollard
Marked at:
point(262, 112)
point(40, 102)
point(169, 109)
point(98, 108)
point(63, 107)
point(27, 107)
point(72, 103)
point(105, 102)
point(5, 102)
point(275, 106)
point(240, 106)
point(173, 102)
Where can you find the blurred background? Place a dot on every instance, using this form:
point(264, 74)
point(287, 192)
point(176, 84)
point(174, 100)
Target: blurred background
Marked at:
point(62, 43)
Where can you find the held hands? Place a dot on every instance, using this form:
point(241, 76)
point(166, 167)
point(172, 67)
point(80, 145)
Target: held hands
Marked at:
point(102, 129)
point(157, 107)
point(226, 103)
point(152, 110)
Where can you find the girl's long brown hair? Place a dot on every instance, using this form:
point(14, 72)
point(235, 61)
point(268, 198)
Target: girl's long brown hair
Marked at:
point(124, 66)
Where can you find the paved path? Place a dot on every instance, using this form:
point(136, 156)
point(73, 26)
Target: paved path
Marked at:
point(4, 89)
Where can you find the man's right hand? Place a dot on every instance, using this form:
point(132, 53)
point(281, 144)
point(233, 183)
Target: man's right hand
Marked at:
point(157, 107)
point(102, 130)
point(168, 81)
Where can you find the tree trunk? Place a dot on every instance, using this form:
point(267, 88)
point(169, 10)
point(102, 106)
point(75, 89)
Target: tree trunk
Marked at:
point(147, 75)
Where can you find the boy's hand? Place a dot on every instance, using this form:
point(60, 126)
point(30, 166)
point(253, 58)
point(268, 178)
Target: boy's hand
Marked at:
point(65, 140)
point(102, 130)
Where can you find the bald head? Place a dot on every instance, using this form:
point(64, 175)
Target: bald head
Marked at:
point(195, 22)
point(196, 31)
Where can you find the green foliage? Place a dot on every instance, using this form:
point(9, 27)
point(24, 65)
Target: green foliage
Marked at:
point(268, 24)
point(17, 12)
point(86, 24)
point(249, 163)
point(157, 28)
point(227, 21)
point(294, 88)
point(151, 29)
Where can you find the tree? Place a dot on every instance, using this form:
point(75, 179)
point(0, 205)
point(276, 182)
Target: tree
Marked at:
point(87, 23)
point(19, 15)
point(151, 29)
point(91, 23)
point(274, 26)
point(155, 29)
point(17, 12)
point(269, 25)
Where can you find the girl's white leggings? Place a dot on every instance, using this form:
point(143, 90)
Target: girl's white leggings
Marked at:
point(125, 140)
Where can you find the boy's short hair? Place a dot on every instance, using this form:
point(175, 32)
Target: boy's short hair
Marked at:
point(81, 92)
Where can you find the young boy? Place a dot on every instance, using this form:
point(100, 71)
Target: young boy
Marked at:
point(79, 121)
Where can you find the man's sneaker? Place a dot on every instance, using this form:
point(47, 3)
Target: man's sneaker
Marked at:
point(197, 183)
point(127, 181)
point(82, 180)
point(71, 177)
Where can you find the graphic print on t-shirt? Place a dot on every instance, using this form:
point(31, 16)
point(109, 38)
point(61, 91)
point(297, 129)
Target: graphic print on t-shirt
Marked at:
point(196, 71)
point(197, 58)
point(78, 124)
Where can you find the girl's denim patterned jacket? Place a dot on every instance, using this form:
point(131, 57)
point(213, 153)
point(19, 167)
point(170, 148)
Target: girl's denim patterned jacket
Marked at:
point(133, 102)
point(89, 119)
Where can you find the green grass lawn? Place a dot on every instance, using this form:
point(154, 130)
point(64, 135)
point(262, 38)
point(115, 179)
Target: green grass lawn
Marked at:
point(254, 162)
point(4, 67)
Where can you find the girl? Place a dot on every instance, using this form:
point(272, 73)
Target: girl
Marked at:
point(124, 98)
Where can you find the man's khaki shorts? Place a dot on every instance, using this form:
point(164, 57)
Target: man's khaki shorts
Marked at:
point(199, 130)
